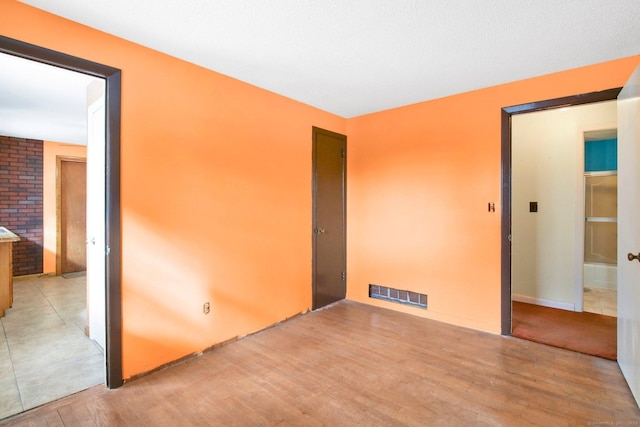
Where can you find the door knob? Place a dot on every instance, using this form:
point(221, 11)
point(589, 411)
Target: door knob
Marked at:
point(631, 256)
point(320, 230)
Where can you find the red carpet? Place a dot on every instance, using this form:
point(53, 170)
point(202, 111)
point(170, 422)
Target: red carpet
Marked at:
point(584, 332)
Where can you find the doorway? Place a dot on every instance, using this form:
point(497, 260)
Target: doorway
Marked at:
point(601, 222)
point(507, 176)
point(112, 77)
point(329, 217)
point(548, 227)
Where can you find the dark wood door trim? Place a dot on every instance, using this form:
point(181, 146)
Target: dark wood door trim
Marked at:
point(506, 113)
point(113, 79)
point(315, 132)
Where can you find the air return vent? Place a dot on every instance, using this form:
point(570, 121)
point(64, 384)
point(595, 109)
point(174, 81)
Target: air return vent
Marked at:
point(399, 296)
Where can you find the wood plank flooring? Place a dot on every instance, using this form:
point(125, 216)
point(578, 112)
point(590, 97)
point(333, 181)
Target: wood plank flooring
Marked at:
point(352, 365)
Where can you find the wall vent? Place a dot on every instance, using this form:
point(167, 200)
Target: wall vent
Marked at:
point(398, 296)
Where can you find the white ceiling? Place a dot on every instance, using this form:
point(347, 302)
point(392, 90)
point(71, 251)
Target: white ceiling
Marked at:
point(352, 57)
point(38, 101)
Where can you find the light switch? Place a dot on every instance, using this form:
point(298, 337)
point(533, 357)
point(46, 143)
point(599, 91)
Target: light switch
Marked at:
point(533, 206)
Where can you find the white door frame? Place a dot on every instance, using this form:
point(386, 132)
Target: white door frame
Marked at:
point(96, 235)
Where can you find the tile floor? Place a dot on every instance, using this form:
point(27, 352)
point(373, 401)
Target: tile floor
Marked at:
point(601, 301)
point(44, 353)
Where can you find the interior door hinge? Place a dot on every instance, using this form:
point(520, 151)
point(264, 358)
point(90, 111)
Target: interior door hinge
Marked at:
point(342, 153)
point(509, 237)
point(344, 275)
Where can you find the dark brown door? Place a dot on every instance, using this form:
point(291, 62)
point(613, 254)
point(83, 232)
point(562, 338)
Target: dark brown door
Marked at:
point(72, 175)
point(329, 222)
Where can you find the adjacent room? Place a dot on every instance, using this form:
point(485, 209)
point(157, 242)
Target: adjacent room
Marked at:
point(55, 326)
point(564, 234)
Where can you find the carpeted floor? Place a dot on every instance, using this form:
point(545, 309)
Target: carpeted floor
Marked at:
point(583, 332)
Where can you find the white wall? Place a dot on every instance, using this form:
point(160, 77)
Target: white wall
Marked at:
point(548, 166)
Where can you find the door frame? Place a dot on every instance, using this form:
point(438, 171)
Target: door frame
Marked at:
point(314, 236)
point(506, 177)
point(113, 257)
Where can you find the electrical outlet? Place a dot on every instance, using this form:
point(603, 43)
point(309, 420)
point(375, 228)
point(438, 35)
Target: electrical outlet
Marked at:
point(206, 308)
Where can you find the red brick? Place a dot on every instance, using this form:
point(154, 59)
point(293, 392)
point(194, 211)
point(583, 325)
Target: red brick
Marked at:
point(21, 200)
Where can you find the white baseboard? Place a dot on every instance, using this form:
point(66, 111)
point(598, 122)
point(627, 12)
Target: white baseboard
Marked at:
point(543, 302)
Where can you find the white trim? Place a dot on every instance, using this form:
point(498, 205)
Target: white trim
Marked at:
point(543, 302)
point(578, 260)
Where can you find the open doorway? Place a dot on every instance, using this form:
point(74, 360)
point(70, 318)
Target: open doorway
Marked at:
point(549, 271)
point(562, 204)
point(48, 347)
point(601, 222)
point(110, 251)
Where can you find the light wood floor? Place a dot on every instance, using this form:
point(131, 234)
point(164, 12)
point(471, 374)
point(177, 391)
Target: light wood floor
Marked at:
point(356, 365)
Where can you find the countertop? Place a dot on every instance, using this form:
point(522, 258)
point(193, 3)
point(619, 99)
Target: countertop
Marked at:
point(7, 236)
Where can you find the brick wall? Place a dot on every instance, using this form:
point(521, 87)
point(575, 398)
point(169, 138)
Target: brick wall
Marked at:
point(21, 200)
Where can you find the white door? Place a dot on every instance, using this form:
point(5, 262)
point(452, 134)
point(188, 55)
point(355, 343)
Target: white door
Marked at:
point(96, 216)
point(629, 232)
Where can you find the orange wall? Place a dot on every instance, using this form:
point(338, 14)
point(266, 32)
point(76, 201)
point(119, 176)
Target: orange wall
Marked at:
point(420, 178)
point(50, 152)
point(216, 194)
